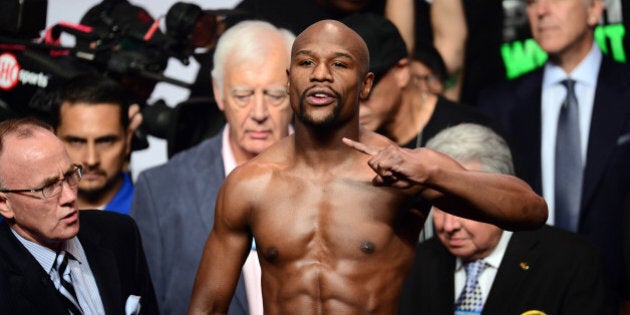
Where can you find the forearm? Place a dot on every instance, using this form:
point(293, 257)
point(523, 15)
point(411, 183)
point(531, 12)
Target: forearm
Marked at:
point(218, 274)
point(402, 14)
point(450, 34)
point(503, 200)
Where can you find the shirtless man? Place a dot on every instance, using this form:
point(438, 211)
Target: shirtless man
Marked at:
point(334, 220)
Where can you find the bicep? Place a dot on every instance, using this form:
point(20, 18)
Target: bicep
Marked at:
point(224, 253)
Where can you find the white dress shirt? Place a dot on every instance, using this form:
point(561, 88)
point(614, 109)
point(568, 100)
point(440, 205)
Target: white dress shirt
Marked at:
point(553, 94)
point(487, 276)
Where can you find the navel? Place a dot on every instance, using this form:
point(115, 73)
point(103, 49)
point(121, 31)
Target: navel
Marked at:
point(367, 247)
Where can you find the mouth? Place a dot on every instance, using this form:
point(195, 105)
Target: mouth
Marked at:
point(92, 175)
point(71, 217)
point(456, 242)
point(320, 96)
point(259, 134)
point(364, 120)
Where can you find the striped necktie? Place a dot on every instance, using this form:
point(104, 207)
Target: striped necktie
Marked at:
point(63, 281)
point(470, 301)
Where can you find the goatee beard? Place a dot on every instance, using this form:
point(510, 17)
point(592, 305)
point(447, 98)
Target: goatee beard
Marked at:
point(322, 124)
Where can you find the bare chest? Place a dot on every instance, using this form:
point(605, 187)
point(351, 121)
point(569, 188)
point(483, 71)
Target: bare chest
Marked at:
point(325, 220)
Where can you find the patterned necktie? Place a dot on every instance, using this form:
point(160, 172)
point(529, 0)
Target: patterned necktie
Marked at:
point(63, 281)
point(470, 301)
point(568, 165)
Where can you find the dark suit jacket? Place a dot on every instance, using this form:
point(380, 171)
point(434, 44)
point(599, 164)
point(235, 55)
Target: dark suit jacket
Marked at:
point(114, 251)
point(516, 105)
point(174, 208)
point(564, 277)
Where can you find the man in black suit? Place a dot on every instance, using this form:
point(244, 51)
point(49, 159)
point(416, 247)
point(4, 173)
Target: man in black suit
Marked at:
point(529, 108)
point(548, 270)
point(52, 266)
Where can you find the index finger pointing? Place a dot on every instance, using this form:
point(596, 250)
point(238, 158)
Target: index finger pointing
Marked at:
point(360, 146)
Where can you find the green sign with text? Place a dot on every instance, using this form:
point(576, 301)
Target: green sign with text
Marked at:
point(523, 56)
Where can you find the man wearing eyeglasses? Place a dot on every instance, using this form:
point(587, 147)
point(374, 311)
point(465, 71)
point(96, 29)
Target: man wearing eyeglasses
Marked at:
point(174, 203)
point(59, 260)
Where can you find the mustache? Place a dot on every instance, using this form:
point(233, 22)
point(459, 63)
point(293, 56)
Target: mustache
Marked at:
point(93, 170)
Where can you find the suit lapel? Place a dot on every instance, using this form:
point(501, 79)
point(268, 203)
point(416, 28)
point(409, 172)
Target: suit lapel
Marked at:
point(208, 170)
point(610, 111)
point(27, 278)
point(104, 268)
point(442, 293)
point(520, 255)
point(527, 129)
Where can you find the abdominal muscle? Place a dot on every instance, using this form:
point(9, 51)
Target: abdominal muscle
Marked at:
point(324, 279)
point(331, 244)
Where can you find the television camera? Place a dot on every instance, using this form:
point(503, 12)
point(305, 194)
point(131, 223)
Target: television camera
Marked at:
point(114, 38)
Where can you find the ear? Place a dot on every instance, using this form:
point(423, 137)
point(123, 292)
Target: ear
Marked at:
point(135, 120)
point(5, 207)
point(403, 74)
point(595, 11)
point(218, 96)
point(366, 86)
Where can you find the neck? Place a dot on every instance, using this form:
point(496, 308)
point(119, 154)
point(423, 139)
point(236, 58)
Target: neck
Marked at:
point(240, 155)
point(571, 57)
point(414, 113)
point(96, 200)
point(323, 146)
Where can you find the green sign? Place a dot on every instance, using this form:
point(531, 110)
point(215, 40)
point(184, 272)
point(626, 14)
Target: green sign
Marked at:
point(523, 56)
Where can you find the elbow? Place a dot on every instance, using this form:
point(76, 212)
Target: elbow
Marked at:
point(538, 213)
point(534, 214)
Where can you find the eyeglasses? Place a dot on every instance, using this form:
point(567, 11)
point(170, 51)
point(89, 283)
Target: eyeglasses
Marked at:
point(53, 189)
point(428, 78)
point(243, 96)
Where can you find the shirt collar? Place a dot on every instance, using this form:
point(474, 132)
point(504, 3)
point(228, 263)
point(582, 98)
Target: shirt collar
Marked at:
point(46, 256)
point(229, 161)
point(496, 256)
point(583, 73)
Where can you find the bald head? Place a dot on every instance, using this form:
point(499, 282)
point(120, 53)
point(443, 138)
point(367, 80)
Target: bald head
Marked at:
point(24, 140)
point(331, 31)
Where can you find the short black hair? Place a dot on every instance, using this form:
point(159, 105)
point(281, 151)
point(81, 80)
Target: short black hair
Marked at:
point(91, 89)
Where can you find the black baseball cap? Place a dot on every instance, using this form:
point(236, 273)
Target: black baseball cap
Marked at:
point(383, 40)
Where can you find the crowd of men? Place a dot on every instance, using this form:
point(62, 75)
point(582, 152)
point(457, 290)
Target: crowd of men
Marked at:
point(343, 181)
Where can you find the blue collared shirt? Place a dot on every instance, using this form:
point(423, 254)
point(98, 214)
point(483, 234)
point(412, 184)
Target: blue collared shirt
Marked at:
point(121, 202)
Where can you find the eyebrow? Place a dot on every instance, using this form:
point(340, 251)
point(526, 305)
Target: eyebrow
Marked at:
point(271, 88)
point(54, 179)
point(337, 53)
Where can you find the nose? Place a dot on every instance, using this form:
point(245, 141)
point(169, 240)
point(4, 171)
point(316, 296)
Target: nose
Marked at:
point(451, 223)
point(539, 7)
point(91, 156)
point(259, 111)
point(321, 72)
point(68, 193)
